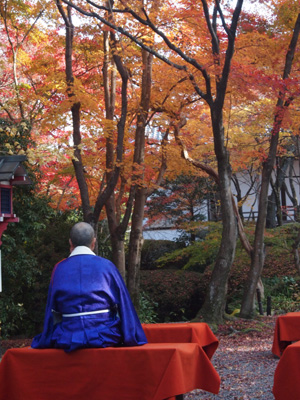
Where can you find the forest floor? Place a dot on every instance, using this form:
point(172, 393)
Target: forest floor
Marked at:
point(243, 360)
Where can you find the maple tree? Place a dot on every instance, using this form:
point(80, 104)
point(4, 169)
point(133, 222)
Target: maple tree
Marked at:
point(91, 216)
point(81, 92)
point(31, 86)
point(181, 203)
point(124, 194)
point(186, 62)
point(285, 98)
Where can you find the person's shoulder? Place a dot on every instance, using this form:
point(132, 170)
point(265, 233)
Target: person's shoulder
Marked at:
point(105, 261)
point(59, 263)
point(106, 264)
point(56, 267)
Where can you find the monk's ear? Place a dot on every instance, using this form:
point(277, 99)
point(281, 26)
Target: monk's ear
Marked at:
point(71, 245)
point(93, 244)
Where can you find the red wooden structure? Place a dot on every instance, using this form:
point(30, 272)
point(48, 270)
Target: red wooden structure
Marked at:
point(12, 172)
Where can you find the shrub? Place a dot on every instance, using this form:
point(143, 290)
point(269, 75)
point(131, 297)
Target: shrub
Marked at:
point(178, 294)
point(147, 313)
point(198, 255)
point(21, 269)
point(154, 249)
point(201, 255)
point(284, 293)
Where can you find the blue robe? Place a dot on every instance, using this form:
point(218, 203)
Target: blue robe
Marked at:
point(84, 283)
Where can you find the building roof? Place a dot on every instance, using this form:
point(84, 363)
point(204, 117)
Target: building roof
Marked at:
point(12, 170)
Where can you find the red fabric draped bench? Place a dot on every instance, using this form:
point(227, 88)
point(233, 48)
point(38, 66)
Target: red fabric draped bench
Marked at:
point(287, 330)
point(155, 371)
point(186, 332)
point(286, 377)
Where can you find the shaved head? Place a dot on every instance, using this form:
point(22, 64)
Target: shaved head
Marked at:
point(82, 234)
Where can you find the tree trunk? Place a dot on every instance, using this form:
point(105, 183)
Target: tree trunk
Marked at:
point(75, 110)
point(271, 208)
point(109, 83)
point(213, 308)
point(293, 197)
point(135, 246)
point(118, 254)
point(136, 233)
point(91, 215)
point(258, 253)
point(114, 156)
point(293, 194)
point(274, 204)
point(239, 197)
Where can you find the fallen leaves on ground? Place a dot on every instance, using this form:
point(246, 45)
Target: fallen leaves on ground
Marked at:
point(244, 361)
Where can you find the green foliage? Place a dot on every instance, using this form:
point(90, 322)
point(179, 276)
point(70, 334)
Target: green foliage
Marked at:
point(147, 313)
point(12, 314)
point(284, 292)
point(280, 240)
point(154, 249)
point(30, 250)
point(284, 285)
point(279, 263)
point(20, 267)
point(199, 254)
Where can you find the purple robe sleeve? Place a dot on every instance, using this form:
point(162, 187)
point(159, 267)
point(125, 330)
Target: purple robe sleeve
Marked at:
point(43, 340)
point(132, 330)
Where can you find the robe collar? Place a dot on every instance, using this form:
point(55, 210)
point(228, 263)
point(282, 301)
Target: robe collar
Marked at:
point(80, 250)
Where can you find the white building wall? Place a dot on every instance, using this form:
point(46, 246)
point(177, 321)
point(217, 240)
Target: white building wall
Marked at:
point(250, 206)
point(161, 234)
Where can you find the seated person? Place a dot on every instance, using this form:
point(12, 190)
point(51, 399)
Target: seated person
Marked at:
point(88, 303)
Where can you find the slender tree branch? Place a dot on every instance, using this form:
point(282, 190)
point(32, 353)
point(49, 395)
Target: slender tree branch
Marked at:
point(222, 18)
point(229, 53)
point(7, 112)
point(126, 33)
point(214, 37)
point(214, 175)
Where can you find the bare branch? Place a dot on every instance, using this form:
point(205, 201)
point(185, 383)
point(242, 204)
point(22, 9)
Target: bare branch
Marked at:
point(127, 34)
point(214, 38)
point(222, 17)
point(222, 85)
